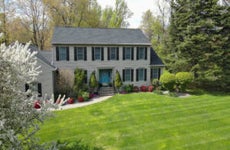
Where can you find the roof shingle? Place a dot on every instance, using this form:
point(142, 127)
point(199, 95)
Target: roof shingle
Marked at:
point(99, 36)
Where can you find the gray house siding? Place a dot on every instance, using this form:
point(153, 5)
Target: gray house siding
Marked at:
point(95, 65)
point(46, 78)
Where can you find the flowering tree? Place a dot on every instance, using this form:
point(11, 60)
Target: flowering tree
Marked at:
point(18, 119)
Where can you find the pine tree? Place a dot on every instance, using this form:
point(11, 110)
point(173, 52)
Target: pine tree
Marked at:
point(199, 39)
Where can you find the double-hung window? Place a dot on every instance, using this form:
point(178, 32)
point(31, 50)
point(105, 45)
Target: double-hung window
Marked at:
point(113, 53)
point(155, 73)
point(35, 87)
point(142, 53)
point(141, 74)
point(127, 53)
point(80, 53)
point(128, 75)
point(62, 53)
point(97, 53)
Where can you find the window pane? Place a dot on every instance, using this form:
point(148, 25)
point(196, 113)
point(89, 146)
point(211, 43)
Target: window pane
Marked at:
point(128, 53)
point(127, 74)
point(155, 73)
point(141, 53)
point(113, 53)
point(62, 53)
point(80, 53)
point(97, 53)
point(141, 74)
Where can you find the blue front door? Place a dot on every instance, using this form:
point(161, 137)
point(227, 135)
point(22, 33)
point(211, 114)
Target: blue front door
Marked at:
point(105, 76)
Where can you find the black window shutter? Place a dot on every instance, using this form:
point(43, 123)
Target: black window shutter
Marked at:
point(39, 89)
point(85, 76)
point(151, 74)
point(123, 75)
point(26, 87)
point(132, 53)
point(145, 53)
point(159, 73)
point(85, 53)
point(67, 53)
point(137, 53)
point(145, 74)
point(93, 53)
point(137, 77)
point(102, 53)
point(117, 53)
point(123, 53)
point(108, 53)
point(132, 75)
point(75, 53)
point(57, 53)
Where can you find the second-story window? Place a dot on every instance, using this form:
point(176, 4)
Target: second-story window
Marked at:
point(97, 53)
point(62, 53)
point(80, 53)
point(113, 53)
point(127, 53)
point(142, 53)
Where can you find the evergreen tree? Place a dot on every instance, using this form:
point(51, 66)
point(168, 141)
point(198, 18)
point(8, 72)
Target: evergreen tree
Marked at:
point(117, 82)
point(199, 39)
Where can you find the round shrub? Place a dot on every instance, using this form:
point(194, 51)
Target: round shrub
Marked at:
point(183, 79)
point(168, 81)
point(155, 82)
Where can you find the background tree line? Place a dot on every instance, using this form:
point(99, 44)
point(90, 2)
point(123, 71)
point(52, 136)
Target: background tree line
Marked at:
point(196, 38)
point(26, 20)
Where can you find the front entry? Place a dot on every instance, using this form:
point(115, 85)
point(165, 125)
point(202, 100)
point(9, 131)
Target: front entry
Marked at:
point(105, 76)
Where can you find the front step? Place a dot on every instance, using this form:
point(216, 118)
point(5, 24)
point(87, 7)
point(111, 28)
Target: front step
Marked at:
point(106, 91)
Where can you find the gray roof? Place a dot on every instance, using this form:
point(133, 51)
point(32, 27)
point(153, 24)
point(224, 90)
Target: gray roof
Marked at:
point(155, 59)
point(100, 36)
point(43, 56)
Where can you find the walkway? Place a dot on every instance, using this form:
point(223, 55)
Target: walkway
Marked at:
point(92, 101)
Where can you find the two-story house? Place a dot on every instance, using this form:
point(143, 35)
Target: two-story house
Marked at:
point(105, 51)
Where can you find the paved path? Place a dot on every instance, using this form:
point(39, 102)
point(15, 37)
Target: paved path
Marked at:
point(92, 101)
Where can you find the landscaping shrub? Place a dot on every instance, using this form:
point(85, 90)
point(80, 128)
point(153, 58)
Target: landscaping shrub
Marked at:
point(118, 81)
point(85, 96)
point(168, 81)
point(143, 88)
point(70, 101)
point(128, 88)
point(155, 83)
point(150, 88)
point(135, 89)
point(93, 81)
point(183, 79)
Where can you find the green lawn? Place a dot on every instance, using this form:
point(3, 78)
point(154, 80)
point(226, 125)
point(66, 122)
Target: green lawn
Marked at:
point(146, 121)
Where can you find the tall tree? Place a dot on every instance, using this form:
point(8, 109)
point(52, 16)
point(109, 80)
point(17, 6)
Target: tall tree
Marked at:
point(117, 17)
point(35, 19)
point(199, 39)
point(78, 13)
point(6, 12)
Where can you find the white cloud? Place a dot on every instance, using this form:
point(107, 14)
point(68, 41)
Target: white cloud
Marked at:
point(138, 7)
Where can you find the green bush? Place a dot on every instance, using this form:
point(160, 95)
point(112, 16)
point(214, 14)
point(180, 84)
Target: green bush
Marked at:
point(168, 81)
point(117, 82)
point(85, 95)
point(155, 83)
point(128, 88)
point(183, 79)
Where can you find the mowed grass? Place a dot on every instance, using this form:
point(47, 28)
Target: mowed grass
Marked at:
point(146, 121)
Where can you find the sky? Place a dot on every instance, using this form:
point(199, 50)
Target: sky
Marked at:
point(138, 7)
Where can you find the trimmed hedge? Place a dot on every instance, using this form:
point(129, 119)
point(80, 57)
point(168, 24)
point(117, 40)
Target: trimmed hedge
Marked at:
point(168, 81)
point(183, 79)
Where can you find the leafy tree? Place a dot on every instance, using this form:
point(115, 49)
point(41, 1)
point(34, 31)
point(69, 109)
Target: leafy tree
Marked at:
point(118, 81)
point(117, 17)
point(19, 121)
point(79, 78)
point(93, 83)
